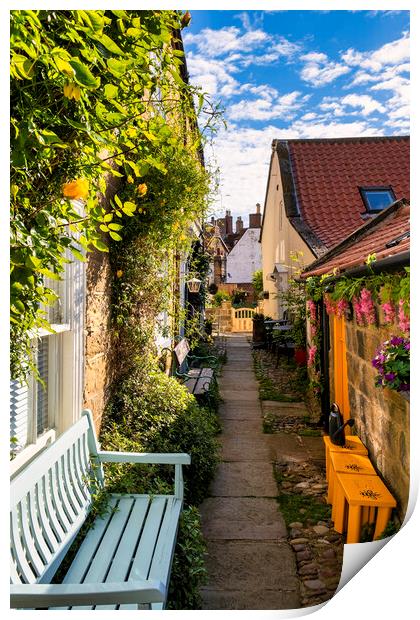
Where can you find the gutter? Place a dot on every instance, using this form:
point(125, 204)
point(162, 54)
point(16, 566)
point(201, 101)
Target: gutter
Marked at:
point(384, 264)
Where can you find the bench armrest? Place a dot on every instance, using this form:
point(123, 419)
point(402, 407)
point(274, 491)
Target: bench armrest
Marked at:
point(180, 458)
point(49, 595)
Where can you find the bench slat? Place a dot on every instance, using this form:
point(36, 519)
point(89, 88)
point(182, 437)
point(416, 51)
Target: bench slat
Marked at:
point(60, 503)
point(162, 558)
point(39, 539)
point(79, 566)
point(144, 554)
point(32, 553)
point(71, 458)
point(23, 568)
point(47, 531)
point(67, 486)
point(122, 560)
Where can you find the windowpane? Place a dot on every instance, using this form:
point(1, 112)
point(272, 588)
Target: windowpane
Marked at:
point(42, 390)
point(377, 199)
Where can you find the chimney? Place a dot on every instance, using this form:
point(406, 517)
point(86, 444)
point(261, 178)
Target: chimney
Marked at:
point(228, 223)
point(239, 225)
point(255, 218)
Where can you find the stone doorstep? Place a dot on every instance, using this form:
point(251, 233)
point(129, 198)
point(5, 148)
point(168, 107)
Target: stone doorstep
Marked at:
point(242, 518)
point(241, 480)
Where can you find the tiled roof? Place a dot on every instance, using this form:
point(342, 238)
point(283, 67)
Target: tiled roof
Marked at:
point(390, 228)
point(326, 175)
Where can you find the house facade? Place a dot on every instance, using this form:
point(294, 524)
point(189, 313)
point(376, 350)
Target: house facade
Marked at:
point(318, 192)
point(349, 342)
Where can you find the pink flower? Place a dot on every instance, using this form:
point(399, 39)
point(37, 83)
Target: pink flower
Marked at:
point(389, 312)
point(358, 311)
point(403, 318)
point(367, 306)
point(342, 306)
point(311, 356)
point(329, 304)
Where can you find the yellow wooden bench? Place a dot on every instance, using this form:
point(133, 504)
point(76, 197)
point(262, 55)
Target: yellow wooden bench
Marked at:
point(347, 463)
point(353, 445)
point(358, 500)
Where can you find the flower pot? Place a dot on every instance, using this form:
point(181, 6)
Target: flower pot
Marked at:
point(300, 356)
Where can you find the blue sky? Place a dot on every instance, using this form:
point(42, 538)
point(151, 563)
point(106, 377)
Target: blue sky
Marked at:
point(295, 74)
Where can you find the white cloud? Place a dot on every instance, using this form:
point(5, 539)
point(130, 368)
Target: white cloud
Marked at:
point(214, 76)
point(215, 43)
point(318, 70)
point(267, 107)
point(243, 154)
point(365, 102)
point(392, 53)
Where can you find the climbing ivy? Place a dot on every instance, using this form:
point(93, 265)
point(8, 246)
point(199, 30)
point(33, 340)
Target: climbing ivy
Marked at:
point(94, 95)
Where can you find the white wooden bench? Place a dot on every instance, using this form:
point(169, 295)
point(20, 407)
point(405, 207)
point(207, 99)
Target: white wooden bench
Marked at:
point(124, 562)
point(196, 380)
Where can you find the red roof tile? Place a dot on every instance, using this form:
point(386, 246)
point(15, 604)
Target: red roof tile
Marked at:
point(371, 238)
point(328, 173)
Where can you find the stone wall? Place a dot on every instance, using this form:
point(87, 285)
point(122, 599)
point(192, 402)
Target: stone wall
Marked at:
point(221, 317)
point(382, 415)
point(98, 335)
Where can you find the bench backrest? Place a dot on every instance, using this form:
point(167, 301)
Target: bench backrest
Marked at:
point(181, 350)
point(49, 502)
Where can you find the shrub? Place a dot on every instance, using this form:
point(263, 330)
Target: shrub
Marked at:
point(219, 297)
point(153, 412)
point(188, 571)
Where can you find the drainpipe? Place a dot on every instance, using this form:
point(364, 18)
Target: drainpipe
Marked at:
point(325, 367)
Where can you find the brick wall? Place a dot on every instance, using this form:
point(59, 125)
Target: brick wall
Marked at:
point(382, 415)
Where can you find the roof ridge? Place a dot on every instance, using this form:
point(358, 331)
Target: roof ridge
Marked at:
point(343, 139)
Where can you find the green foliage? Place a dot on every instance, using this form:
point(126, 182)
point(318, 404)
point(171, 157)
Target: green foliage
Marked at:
point(219, 297)
point(94, 94)
point(150, 411)
point(257, 283)
point(188, 570)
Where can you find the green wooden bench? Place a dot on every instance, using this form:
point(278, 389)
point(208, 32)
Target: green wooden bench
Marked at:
point(124, 561)
point(196, 379)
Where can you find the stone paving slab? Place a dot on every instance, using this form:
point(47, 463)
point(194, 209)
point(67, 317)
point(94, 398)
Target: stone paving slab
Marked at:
point(297, 410)
point(261, 599)
point(246, 426)
point(250, 565)
point(245, 447)
point(239, 411)
point(242, 518)
point(244, 480)
point(239, 395)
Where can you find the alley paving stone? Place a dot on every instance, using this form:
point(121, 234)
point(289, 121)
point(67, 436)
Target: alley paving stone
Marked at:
point(249, 563)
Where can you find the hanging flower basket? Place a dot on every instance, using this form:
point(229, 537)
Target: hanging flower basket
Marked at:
point(392, 361)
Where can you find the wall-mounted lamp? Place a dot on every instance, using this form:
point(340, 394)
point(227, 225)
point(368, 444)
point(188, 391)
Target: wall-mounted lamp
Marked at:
point(194, 285)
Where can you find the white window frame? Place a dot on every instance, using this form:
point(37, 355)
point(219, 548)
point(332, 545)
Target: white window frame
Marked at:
point(65, 364)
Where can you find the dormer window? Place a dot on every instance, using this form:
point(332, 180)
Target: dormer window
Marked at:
point(378, 198)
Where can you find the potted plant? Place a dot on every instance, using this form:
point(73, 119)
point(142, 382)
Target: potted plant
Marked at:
point(392, 362)
point(298, 334)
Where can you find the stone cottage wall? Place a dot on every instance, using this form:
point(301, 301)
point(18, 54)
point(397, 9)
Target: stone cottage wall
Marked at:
point(98, 336)
point(381, 415)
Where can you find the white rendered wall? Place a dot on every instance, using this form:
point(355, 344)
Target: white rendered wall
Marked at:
point(244, 258)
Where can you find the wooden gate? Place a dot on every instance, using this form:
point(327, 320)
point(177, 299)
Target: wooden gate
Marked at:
point(242, 319)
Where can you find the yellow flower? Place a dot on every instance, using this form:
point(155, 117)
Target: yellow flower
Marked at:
point(76, 189)
point(142, 189)
point(119, 273)
point(72, 91)
point(130, 179)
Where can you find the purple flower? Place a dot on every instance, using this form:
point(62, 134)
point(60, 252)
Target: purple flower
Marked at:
point(396, 340)
point(404, 387)
point(407, 346)
point(390, 376)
